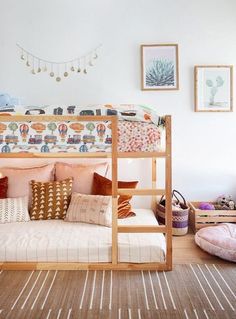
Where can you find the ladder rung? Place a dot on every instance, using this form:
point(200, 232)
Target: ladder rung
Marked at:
point(142, 229)
point(144, 191)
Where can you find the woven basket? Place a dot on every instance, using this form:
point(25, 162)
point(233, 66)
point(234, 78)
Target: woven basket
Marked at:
point(180, 214)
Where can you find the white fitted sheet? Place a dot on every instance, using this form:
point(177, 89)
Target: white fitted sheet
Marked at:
point(59, 241)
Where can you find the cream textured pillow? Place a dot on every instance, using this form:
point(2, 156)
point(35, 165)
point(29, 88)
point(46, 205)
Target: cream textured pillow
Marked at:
point(92, 209)
point(14, 210)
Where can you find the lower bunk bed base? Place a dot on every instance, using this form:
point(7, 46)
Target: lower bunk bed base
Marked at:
point(154, 191)
point(159, 266)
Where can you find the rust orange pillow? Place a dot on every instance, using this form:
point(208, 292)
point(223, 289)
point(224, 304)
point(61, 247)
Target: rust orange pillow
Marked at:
point(103, 186)
point(3, 187)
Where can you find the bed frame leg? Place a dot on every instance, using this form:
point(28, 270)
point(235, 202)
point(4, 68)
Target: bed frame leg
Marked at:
point(168, 188)
point(114, 163)
point(154, 183)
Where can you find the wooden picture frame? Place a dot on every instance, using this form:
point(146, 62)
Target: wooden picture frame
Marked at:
point(213, 88)
point(159, 67)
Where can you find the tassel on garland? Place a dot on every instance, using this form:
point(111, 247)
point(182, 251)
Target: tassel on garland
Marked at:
point(58, 70)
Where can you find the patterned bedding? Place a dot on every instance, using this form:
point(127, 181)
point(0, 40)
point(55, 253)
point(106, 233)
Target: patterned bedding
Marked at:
point(138, 137)
point(129, 112)
point(138, 130)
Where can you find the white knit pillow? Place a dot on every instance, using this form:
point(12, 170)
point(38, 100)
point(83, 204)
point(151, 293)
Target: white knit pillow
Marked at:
point(14, 210)
point(92, 209)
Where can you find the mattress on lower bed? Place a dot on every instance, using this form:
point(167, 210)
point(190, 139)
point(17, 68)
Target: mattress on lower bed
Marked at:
point(59, 241)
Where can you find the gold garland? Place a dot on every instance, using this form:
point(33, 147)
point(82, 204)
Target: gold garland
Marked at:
point(60, 69)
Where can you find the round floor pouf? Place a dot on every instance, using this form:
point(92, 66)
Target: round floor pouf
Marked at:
point(218, 240)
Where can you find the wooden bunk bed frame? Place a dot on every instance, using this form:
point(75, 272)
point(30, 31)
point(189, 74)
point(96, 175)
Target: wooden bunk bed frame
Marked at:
point(116, 229)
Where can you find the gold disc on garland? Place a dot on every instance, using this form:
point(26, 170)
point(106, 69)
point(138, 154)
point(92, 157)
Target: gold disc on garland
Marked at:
point(37, 65)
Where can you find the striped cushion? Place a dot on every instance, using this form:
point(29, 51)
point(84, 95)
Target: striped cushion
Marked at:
point(92, 209)
point(14, 210)
point(103, 186)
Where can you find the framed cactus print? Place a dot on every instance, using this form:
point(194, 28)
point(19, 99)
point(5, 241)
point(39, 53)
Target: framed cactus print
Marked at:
point(159, 67)
point(213, 86)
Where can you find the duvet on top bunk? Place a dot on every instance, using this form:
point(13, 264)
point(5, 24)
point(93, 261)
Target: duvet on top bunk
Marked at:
point(60, 241)
point(139, 130)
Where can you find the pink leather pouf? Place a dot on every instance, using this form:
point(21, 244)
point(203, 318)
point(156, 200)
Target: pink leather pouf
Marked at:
point(218, 240)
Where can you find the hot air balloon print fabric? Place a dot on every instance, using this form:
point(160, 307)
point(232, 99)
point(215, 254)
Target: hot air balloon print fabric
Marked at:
point(73, 137)
point(55, 137)
point(139, 129)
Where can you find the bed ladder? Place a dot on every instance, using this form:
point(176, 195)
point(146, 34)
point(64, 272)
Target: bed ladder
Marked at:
point(167, 228)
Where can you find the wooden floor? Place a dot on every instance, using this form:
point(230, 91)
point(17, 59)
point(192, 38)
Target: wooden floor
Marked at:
point(185, 251)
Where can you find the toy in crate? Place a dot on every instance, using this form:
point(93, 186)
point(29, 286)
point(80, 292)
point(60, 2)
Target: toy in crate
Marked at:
point(225, 202)
point(203, 214)
point(180, 213)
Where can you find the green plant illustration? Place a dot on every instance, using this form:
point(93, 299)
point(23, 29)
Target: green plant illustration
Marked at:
point(90, 126)
point(13, 127)
point(160, 73)
point(214, 88)
point(52, 127)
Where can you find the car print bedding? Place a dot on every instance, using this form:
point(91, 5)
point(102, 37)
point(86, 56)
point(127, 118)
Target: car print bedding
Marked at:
point(139, 129)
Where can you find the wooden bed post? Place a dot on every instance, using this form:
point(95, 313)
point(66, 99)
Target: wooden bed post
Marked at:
point(114, 190)
point(168, 189)
point(154, 183)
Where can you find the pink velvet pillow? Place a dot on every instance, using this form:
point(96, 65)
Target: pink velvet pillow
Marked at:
point(218, 240)
point(81, 173)
point(19, 178)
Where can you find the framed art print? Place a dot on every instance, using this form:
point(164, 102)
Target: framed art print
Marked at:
point(213, 86)
point(159, 66)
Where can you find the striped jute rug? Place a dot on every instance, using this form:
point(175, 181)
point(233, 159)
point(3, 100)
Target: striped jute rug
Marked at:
point(189, 291)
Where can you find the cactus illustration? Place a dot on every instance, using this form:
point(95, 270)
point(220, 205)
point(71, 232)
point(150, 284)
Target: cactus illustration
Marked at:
point(160, 73)
point(214, 88)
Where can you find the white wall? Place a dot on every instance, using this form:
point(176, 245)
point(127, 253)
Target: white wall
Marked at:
point(204, 152)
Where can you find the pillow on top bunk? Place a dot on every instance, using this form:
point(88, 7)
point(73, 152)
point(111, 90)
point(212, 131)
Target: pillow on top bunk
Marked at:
point(50, 200)
point(19, 178)
point(103, 186)
point(92, 209)
point(14, 210)
point(3, 187)
point(82, 174)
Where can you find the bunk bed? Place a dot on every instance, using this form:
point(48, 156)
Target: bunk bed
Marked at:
point(118, 228)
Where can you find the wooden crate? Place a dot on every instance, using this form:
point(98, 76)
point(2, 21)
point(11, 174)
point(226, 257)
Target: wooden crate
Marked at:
point(199, 218)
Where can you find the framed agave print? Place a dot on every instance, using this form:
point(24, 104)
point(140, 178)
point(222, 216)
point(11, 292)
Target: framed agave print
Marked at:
point(159, 64)
point(213, 86)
